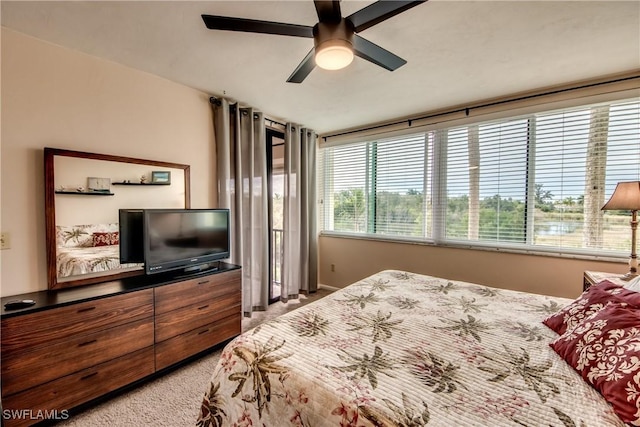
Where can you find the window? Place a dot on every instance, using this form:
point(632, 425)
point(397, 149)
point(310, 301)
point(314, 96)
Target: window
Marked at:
point(379, 187)
point(533, 181)
point(487, 182)
point(399, 184)
point(348, 185)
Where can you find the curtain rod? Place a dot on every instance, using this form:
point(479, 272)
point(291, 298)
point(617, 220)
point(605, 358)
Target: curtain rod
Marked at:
point(275, 122)
point(467, 110)
point(216, 101)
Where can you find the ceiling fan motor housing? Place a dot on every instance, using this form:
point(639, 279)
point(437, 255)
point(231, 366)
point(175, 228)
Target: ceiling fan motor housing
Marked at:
point(333, 43)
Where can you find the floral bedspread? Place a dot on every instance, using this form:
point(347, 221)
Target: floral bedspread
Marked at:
point(402, 349)
point(83, 260)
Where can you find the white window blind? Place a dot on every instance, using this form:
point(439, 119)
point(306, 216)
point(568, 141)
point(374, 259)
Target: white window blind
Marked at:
point(487, 182)
point(345, 189)
point(580, 157)
point(533, 181)
point(562, 141)
point(378, 187)
point(399, 186)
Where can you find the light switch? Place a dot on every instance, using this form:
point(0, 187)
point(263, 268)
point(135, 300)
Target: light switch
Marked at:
point(5, 240)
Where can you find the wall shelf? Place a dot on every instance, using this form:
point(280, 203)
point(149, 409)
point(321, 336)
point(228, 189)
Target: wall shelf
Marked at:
point(85, 193)
point(141, 183)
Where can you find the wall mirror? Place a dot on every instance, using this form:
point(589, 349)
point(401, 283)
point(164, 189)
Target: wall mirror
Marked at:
point(83, 193)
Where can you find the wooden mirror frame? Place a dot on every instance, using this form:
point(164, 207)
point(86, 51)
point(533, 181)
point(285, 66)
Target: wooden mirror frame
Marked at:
point(50, 214)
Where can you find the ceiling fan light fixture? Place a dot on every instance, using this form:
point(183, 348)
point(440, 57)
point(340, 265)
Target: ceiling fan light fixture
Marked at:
point(334, 40)
point(334, 54)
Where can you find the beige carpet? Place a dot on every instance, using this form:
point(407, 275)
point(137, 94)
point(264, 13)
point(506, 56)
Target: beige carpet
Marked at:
point(174, 399)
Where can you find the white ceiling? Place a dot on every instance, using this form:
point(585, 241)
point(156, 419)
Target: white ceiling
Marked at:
point(456, 51)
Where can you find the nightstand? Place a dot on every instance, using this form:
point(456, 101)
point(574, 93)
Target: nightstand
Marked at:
point(593, 277)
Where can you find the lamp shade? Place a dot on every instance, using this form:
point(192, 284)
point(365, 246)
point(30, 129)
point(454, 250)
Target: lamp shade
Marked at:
point(626, 196)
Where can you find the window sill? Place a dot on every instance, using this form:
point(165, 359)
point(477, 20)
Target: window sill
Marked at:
point(537, 251)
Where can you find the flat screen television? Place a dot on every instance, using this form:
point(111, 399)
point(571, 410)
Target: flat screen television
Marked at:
point(191, 240)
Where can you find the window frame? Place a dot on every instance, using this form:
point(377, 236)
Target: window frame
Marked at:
point(438, 195)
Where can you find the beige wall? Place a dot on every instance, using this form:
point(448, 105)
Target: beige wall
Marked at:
point(56, 97)
point(355, 259)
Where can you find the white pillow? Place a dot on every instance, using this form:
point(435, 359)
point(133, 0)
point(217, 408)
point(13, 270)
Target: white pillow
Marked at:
point(633, 285)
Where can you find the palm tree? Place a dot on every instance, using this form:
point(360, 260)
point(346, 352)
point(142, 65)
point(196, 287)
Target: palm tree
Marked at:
point(543, 198)
point(367, 366)
point(595, 174)
point(259, 364)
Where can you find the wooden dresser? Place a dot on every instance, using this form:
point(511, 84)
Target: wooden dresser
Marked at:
point(78, 344)
point(194, 315)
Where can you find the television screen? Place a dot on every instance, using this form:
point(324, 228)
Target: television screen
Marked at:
point(186, 239)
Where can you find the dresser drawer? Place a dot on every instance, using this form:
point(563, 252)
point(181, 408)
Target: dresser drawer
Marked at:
point(184, 319)
point(38, 329)
point(32, 367)
point(72, 390)
point(182, 346)
point(194, 291)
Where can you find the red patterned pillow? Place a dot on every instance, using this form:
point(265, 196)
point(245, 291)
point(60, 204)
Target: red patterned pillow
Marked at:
point(591, 301)
point(605, 350)
point(106, 238)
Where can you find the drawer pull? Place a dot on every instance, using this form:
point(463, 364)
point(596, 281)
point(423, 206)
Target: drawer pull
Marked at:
point(87, 343)
point(203, 282)
point(83, 310)
point(203, 307)
point(93, 374)
point(203, 332)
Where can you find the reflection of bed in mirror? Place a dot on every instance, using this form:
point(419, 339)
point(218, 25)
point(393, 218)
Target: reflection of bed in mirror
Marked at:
point(89, 250)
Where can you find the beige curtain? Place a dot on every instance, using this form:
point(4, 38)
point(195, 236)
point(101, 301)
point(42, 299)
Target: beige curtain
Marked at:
point(242, 187)
point(300, 266)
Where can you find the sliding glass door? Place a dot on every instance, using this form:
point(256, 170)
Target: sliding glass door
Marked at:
point(275, 179)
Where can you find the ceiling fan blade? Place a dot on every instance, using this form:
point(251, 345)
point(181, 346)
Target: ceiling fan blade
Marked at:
point(255, 26)
point(374, 53)
point(378, 12)
point(328, 11)
point(304, 68)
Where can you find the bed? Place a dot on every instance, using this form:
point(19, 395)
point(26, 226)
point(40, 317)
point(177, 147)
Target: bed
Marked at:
point(403, 349)
point(88, 249)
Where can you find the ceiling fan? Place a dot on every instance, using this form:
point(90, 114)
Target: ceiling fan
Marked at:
point(335, 41)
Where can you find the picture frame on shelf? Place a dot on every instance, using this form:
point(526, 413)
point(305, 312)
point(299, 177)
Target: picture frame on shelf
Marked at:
point(161, 177)
point(98, 185)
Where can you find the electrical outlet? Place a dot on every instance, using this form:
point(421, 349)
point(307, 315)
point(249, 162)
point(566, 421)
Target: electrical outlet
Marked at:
point(5, 240)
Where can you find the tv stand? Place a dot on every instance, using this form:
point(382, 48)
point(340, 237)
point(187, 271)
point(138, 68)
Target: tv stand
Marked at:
point(76, 345)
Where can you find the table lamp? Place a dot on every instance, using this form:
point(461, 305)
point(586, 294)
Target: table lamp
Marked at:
point(626, 197)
